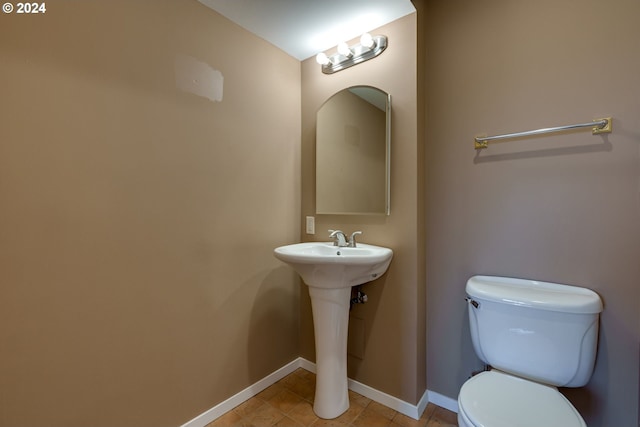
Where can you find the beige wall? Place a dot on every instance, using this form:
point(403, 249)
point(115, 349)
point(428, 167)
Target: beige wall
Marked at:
point(137, 222)
point(561, 207)
point(393, 319)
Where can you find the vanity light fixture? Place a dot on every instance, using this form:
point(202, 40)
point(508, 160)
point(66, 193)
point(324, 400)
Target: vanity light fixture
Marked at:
point(369, 47)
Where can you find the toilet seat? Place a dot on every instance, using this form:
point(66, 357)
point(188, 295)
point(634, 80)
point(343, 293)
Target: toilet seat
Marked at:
point(497, 399)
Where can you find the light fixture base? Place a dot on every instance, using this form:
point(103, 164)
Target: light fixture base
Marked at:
point(361, 54)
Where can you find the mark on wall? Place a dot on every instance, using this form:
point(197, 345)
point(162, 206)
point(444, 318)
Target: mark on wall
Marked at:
point(199, 78)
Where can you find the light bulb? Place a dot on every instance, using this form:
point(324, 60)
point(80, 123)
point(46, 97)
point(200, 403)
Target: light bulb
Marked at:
point(367, 41)
point(322, 58)
point(343, 49)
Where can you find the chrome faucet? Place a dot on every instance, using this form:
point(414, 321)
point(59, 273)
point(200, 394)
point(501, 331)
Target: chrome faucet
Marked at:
point(341, 238)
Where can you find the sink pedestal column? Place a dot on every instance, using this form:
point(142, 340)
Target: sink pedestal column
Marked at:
point(330, 324)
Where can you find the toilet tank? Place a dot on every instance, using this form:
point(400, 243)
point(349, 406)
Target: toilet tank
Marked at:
point(546, 332)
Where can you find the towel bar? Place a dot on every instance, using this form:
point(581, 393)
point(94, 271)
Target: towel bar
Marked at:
point(597, 126)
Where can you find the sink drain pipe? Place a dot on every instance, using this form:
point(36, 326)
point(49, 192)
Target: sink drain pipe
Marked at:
point(357, 296)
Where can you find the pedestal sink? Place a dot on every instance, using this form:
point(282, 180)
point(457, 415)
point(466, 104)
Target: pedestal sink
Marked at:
point(330, 272)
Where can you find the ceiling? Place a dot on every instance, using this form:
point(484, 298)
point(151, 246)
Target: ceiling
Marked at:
point(302, 28)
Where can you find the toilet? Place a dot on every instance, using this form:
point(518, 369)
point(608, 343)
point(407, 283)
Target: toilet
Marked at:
point(535, 336)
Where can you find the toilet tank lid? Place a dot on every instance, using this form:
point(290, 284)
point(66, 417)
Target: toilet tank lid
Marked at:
point(534, 294)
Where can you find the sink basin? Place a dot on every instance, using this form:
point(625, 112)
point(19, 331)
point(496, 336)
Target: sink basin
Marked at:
point(330, 272)
point(323, 265)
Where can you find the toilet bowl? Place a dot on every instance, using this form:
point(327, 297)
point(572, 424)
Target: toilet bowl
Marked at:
point(536, 336)
point(497, 399)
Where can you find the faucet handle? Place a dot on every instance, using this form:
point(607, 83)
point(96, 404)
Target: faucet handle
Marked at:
point(352, 240)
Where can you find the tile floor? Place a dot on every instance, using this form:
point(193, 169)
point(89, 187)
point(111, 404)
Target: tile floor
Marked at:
point(288, 403)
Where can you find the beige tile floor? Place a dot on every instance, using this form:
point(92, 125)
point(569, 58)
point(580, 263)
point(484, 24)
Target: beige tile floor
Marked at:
point(289, 402)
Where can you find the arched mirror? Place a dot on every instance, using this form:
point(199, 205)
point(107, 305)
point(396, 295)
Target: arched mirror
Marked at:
point(353, 137)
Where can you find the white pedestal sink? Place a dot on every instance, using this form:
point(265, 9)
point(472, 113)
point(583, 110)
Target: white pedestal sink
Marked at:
point(330, 272)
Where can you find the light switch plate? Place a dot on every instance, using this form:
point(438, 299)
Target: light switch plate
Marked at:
point(311, 225)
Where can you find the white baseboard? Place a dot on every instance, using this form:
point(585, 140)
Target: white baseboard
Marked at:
point(408, 409)
point(443, 401)
point(246, 394)
point(305, 364)
point(413, 411)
